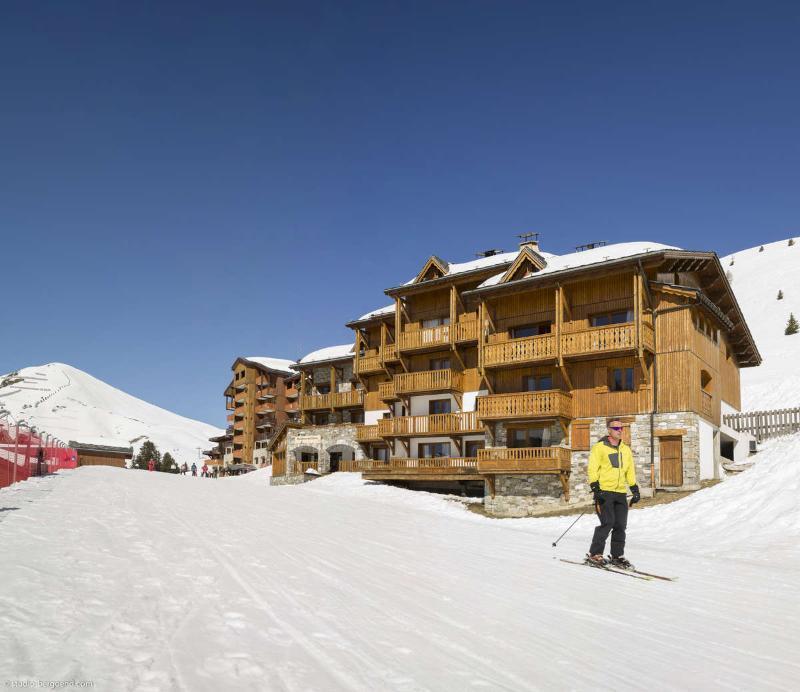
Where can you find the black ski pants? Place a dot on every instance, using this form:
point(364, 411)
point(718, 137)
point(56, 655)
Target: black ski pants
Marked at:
point(613, 519)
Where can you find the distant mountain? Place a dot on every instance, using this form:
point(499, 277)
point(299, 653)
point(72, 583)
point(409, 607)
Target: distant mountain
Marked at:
point(73, 405)
point(756, 277)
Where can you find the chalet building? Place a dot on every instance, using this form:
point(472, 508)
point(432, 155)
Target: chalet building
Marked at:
point(261, 396)
point(91, 453)
point(331, 408)
point(496, 376)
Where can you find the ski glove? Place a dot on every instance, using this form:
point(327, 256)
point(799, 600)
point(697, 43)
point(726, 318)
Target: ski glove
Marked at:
point(598, 496)
point(636, 496)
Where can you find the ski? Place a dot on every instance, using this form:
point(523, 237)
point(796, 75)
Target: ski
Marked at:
point(606, 568)
point(654, 576)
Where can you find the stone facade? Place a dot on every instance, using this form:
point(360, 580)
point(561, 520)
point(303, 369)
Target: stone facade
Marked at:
point(322, 440)
point(528, 495)
point(293, 479)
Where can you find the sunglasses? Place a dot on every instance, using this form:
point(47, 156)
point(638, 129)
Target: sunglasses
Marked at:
point(615, 427)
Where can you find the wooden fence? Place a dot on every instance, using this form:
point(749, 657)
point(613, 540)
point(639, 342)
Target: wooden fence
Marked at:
point(765, 424)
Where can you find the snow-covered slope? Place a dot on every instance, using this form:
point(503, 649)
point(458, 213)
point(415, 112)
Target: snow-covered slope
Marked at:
point(756, 277)
point(72, 405)
point(342, 584)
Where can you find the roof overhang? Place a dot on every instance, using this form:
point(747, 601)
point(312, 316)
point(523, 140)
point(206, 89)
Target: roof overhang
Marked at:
point(409, 289)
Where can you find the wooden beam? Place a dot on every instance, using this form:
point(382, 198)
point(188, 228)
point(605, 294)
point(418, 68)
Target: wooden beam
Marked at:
point(490, 482)
point(565, 376)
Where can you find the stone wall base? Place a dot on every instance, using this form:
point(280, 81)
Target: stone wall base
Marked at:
point(293, 479)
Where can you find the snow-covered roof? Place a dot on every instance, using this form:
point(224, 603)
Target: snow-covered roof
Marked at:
point(279, 364)
point(481, 263)
point(328, 353)
point(388, 310)
point(598, 255)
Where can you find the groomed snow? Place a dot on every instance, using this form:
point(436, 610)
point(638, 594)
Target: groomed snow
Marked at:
point(279, 364)
point(72, 405)
point(328, 353)
point(340, 584)
point(598, 255)
point(756, 277)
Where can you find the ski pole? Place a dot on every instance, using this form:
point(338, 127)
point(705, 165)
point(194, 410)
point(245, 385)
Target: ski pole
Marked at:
point(570, 526)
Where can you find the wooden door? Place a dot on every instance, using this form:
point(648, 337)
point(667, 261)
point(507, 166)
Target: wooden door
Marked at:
point(671, 453)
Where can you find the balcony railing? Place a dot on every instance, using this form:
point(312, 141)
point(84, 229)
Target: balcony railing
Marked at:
point(648, 337)
point(547, 404)
point(390, 353)
point(434, 465)
point(370, 362)
point(618, 337)
point(466, 330)
point(528, 349)
point(428, 381)
point(355, 397)
point(524, 460)
point(303, 466)
point(367, 433)
point(357, 465)
point(435, 424)
point(425, 338)
point(386, 391)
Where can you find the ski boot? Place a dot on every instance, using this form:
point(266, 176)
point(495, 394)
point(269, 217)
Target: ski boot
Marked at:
point(620, 563)
point(595, 560)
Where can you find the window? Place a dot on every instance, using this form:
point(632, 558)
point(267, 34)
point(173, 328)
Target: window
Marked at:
point(471, 448)
point(308, 456)
point(323, 389)
point(356, 416)
point(621, 380)
point(705, 381)
point(380, 454)
point(320, 419)
point(435, 322)
point(432, 450)
point(530, 330)
point(439, 364)
point(438, 406)
point(536, 383)
point(616, 317)
point(534, 436)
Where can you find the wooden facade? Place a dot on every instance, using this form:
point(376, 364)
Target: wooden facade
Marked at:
point(258, 399)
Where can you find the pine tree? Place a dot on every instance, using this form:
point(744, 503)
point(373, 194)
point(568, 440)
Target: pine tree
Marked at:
point(792, 327)
point(167, 464)
point(148, 451)
point(791, 242)
point(733, 259)
point(780, 294)
point(761, 249)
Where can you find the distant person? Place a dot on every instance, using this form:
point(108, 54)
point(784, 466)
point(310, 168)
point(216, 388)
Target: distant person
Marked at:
point(184, 469)
point(151, 465)
point(39, 461)
point(215, 471)
point(611, 471)
point(205, 470)
point(194, 469)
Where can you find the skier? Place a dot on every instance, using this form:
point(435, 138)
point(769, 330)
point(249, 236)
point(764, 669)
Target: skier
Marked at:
point(194, 469)
point(205, 470)
point(151, 465)
point(184, 469)
point(611, 471)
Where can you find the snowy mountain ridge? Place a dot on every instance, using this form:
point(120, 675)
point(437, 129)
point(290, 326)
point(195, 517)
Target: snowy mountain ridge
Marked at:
point(72, 405)
point(756, 277)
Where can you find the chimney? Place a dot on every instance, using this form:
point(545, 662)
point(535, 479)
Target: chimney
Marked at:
point(530, 240)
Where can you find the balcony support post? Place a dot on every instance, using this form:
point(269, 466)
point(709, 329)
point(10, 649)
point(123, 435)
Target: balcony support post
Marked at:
point(490, 482)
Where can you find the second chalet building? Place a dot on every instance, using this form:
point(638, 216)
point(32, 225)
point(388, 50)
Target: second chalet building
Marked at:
point(496, 376)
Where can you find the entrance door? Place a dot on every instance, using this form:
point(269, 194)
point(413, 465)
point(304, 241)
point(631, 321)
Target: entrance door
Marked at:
point(671, 452)
point(336, 457)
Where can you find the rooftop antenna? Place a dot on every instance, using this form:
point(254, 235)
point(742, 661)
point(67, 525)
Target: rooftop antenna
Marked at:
point(529, 238)
point(488, 253)
point(590, 246)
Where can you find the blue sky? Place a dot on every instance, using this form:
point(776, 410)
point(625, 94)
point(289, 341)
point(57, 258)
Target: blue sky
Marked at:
point(182, 183)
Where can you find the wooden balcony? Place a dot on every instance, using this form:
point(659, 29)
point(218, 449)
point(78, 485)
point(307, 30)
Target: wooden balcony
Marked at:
point(436, 424)
point(465, 331)
point(599, 340)
point(551, 403)
point(529, 349)
point(439, 469)
point(371, 361)
point(428, 381)
point(354, 397)
point(390, 353)
point(367, 433)
point(303, 466)
point(525, 460)
point(358, 465)
point(386, 391)
point(425, 339)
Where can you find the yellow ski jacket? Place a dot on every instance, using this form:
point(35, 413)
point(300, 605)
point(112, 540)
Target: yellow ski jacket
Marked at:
point(612, 466)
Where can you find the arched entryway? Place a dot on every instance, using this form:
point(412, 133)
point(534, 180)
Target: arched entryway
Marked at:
point(338, 454)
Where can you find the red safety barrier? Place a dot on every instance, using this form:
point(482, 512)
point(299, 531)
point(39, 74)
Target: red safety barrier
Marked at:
point(26, 452)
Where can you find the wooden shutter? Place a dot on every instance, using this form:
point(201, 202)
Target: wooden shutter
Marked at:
point(601, 379)
point(579, 431)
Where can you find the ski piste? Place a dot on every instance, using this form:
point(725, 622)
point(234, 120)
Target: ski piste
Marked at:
point(636, 574)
